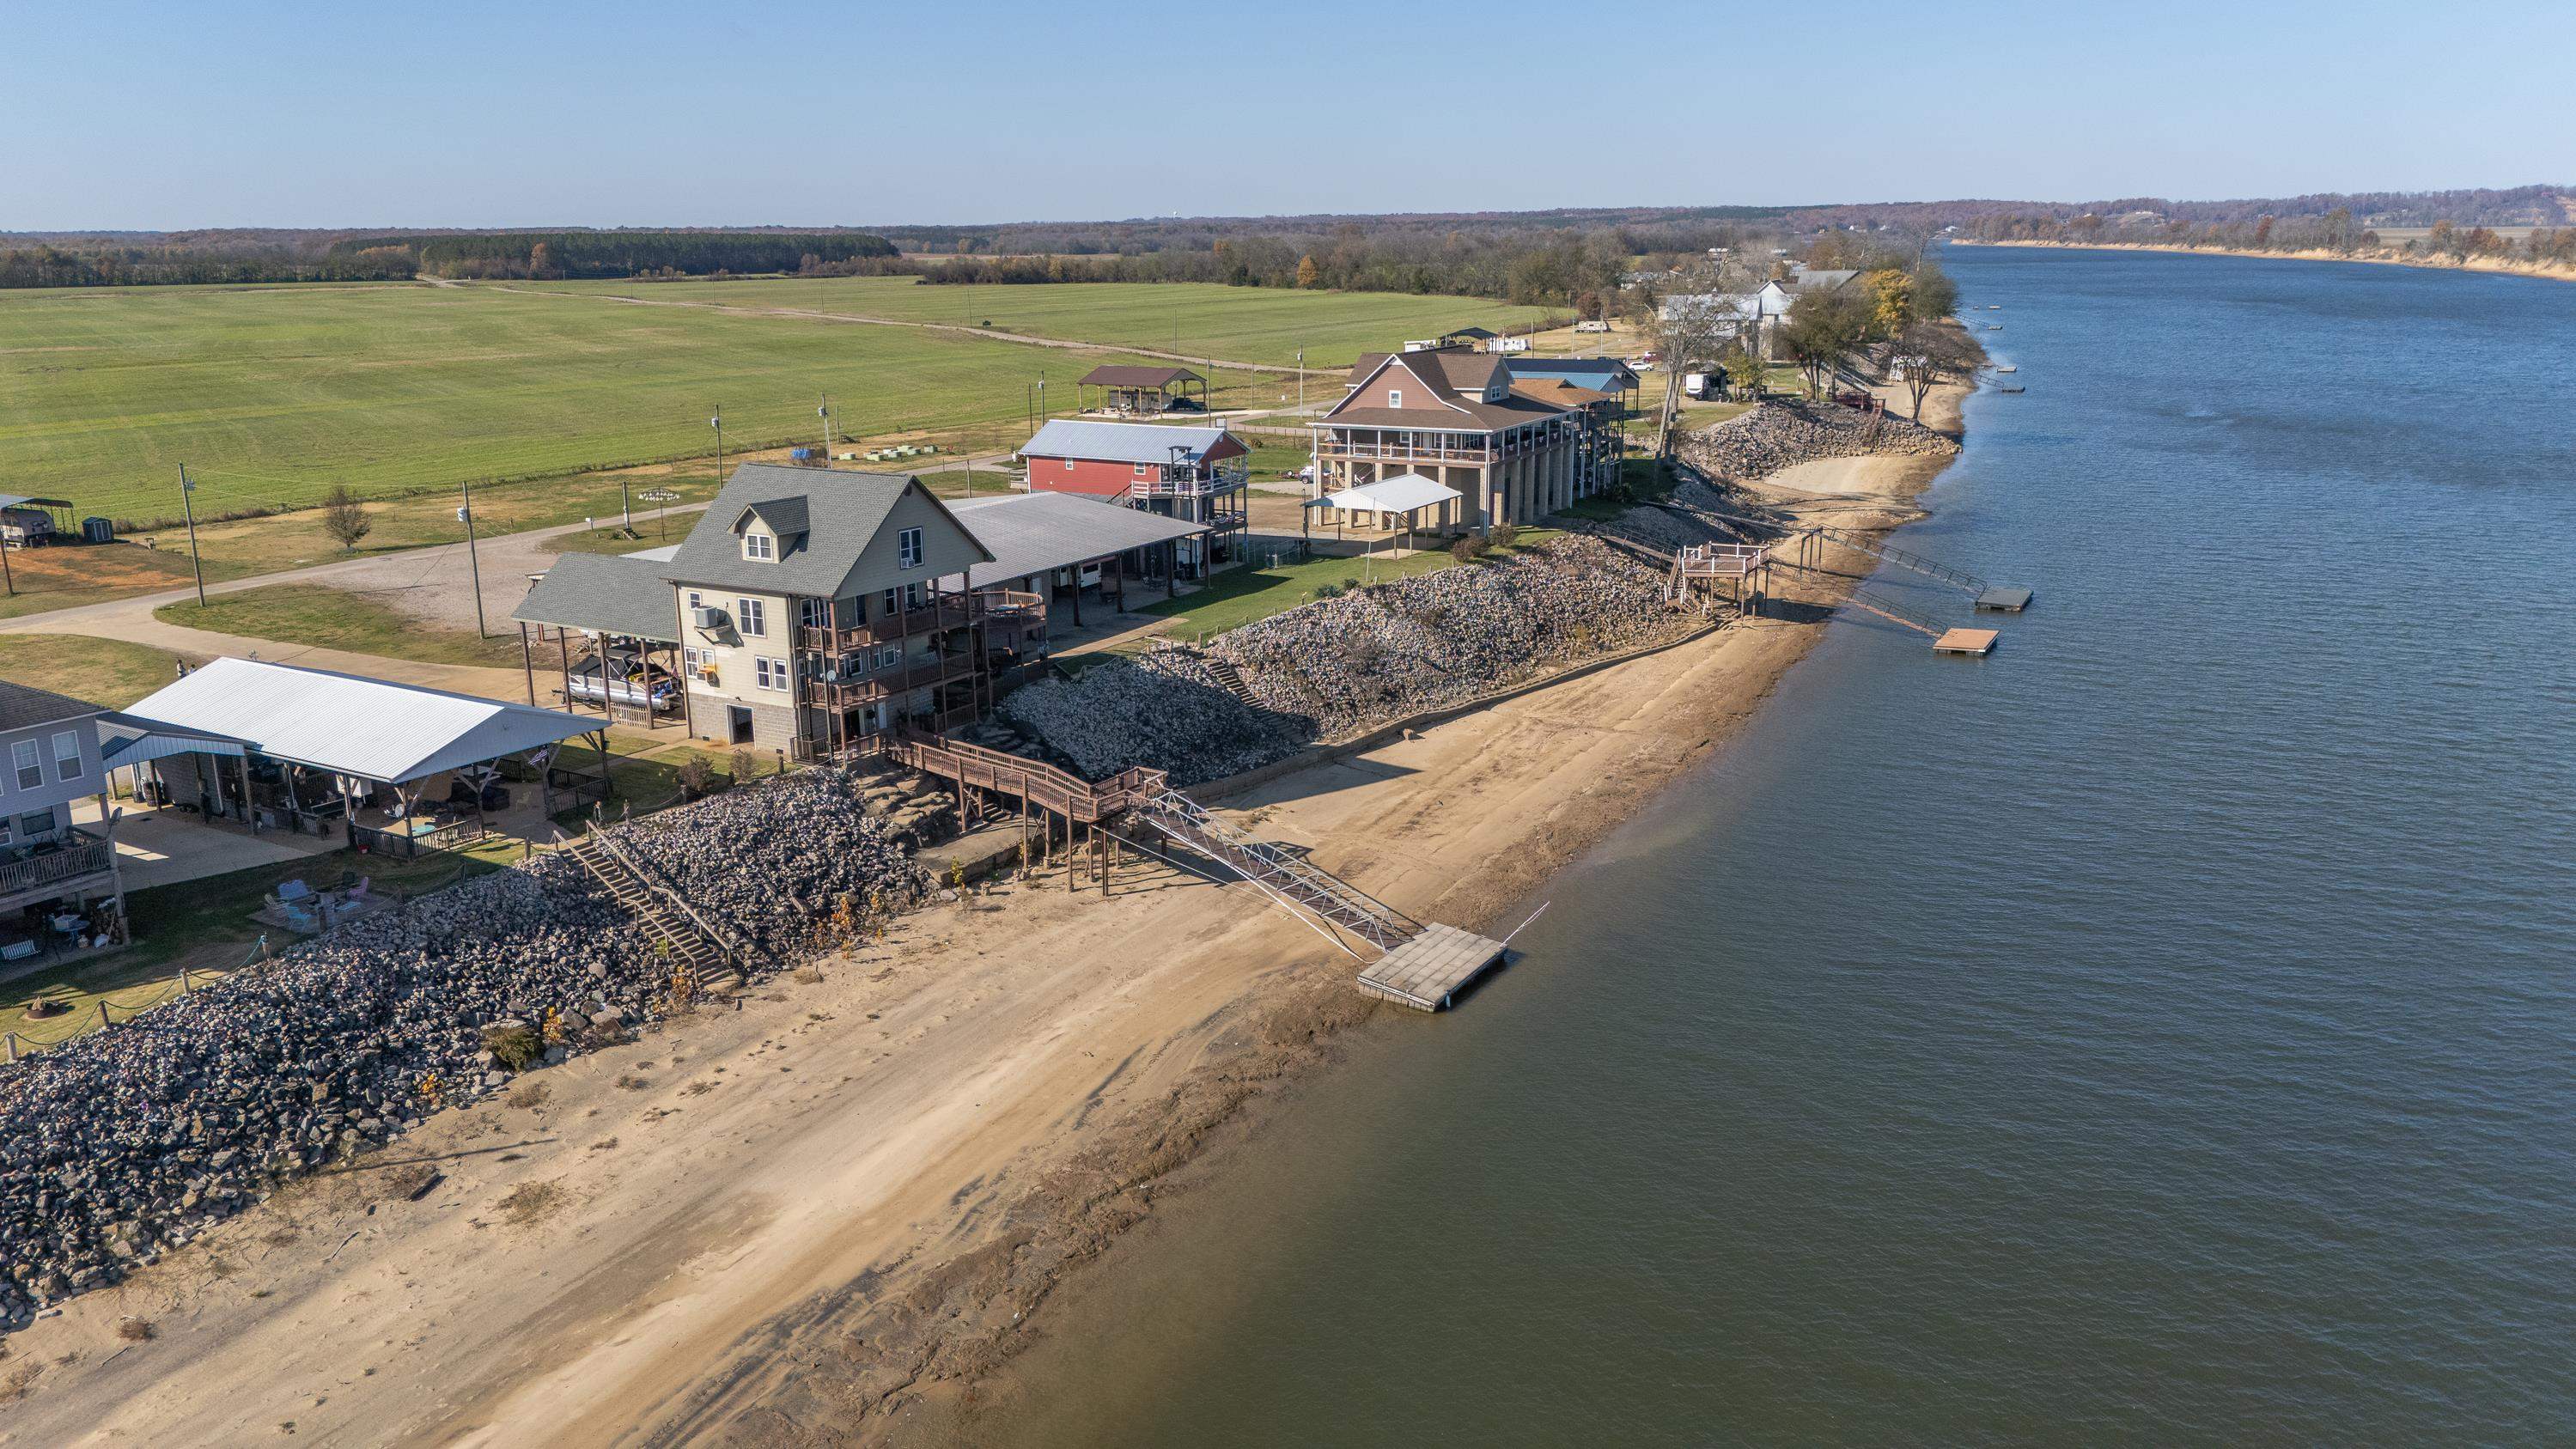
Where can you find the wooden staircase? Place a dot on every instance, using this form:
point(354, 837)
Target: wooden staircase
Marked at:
point(713, 963)
point(1229, 676)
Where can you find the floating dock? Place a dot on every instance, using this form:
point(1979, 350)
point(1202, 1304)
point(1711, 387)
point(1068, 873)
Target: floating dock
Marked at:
point(2004, 598)
point(1965, 641)
point(1426, 971)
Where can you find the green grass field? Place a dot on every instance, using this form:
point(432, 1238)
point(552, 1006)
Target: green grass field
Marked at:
point(273, 394)
point(1242, 596)
point(339, 619)
point(112, 672)
point(1240, 324)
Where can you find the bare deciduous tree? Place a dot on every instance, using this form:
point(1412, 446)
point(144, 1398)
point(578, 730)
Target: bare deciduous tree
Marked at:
point(345, 518)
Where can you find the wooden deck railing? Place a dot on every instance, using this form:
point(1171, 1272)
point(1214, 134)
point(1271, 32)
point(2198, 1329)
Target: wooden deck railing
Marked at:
point(1058, 792)
point(88, 858)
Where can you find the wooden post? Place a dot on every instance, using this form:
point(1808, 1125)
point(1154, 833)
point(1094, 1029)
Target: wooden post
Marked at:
point(563, 654)
point(528, 662)
point(250, 810)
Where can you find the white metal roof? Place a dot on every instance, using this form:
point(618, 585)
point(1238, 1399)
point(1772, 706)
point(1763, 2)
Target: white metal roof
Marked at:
point(1031, 533)
point(349, 725)
point(1402, 493)
point(1120, 442)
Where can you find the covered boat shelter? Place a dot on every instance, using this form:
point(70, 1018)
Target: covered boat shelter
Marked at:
point(1403, 496)
point(627, 659)
point(275, 746)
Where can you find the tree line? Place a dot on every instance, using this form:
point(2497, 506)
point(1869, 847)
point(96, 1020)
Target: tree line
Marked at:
point(549, 255)
point(2336, 231)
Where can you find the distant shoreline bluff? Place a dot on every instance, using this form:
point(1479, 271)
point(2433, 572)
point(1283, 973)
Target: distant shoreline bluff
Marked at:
point(2505, 266)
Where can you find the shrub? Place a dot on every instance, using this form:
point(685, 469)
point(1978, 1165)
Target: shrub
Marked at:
point(1328, 591)
point(1504, 535)
point(136, 1330)
point(1467, 549)
point(695, 775)
point(514, 1045)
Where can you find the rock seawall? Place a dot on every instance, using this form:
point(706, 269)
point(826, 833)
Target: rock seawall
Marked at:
point(120, 1144)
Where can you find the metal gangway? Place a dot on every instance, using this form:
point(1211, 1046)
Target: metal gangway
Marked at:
point(1275, 872)
point(1903, 558)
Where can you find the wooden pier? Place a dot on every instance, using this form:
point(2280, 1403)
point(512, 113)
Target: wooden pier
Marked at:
point(2004, 598)
point(1429, 970)
point(1965, 641)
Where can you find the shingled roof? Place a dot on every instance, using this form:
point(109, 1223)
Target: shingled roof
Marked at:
point(841, 510)
point(605, 593)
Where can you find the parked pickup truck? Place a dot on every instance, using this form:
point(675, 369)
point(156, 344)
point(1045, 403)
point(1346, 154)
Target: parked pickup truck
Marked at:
point(628, 691)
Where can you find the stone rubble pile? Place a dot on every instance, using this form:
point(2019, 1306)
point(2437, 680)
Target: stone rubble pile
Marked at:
point(119, 1144)
point(1338, 667)
point(773, 859)
point(1778, 434)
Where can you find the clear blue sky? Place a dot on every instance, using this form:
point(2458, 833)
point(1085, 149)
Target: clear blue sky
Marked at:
point(159, 115)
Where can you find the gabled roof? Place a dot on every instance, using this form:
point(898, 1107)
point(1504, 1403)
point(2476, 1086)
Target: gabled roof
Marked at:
point(1115, 374)
point(344, 723)
point(786, 517)
point(1808, 279)
point(1029, 533)
point(22, 706)
point(1557, 390)
point(1457, 379)
point(606, 594)
point(1121, 442)
point(841, 509)
point(1476, 333)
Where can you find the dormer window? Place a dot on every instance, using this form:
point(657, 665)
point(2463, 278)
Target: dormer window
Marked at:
point(759, 546)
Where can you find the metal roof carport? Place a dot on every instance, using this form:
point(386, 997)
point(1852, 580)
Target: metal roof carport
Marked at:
point(368, 729)
point(350, 728)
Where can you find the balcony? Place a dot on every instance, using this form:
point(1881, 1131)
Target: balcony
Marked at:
point(57, 872)
point(857, 689)
point(949, 612)
point(1189, 483)
point(1417, 449)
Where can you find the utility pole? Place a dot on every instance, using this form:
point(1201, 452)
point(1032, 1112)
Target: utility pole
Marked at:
point(1301, 381)
point(465, 515)
point(625, 505)
point(717, 423)
point(825, 413)
point(188, 502)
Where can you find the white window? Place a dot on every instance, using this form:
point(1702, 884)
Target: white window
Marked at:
point(1068, 465)
point(887, 607)
point(890, 656)
point(40, 823)
point(1395, 397)
point(30, 763)
point(770, 673)
point(1140, 470)
point(751, 616)
point(67, 759)
point(912, 596)
point(907, 548)
point(8, 831)
point(697, 601)
point(758, 546)
point(814, 613)
point(693, 658)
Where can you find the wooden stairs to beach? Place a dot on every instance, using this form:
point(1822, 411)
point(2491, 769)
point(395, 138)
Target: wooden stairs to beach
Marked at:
point(689, 940)
point(1229, 676)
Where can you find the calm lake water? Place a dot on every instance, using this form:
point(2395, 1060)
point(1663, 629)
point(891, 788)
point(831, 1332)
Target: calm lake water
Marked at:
point(2159, 1032)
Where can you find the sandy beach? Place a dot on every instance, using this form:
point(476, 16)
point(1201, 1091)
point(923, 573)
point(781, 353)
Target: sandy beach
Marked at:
point(846, 1202)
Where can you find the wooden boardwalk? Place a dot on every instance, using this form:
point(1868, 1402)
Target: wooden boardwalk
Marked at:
point(1426, 971)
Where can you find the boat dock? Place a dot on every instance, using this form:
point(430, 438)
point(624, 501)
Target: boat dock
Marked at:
point(1427, 971)
point(2004, 598)
point(1965, 641)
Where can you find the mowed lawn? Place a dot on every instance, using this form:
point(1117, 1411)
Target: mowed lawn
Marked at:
point(1241, 324)
point(273, 394)
point(330, 618)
